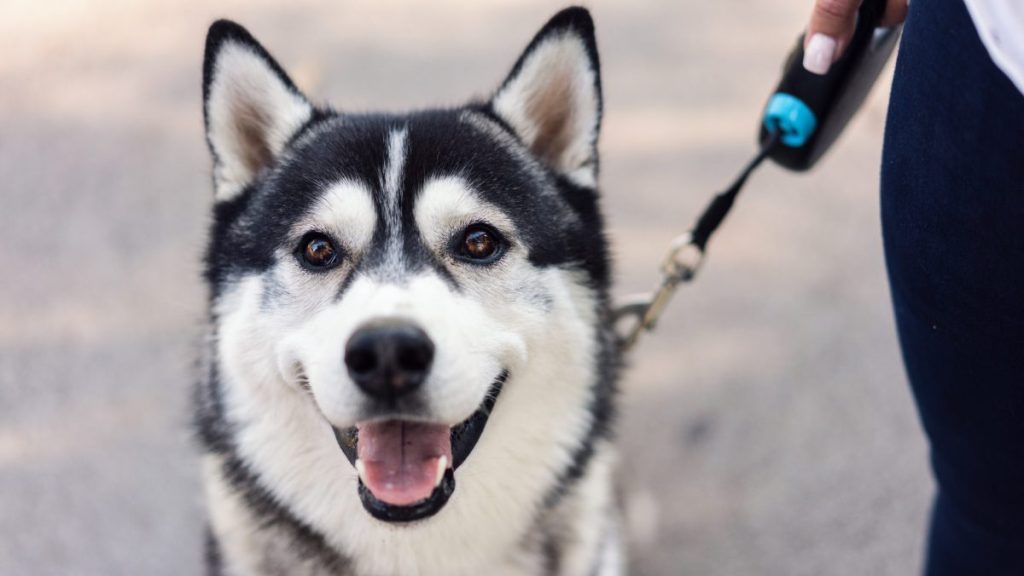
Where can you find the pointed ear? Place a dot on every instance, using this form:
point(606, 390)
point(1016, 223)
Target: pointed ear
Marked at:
point(251, 107)
point(552, 97)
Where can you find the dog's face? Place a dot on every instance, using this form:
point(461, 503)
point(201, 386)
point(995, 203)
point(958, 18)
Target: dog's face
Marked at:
point(386, 286)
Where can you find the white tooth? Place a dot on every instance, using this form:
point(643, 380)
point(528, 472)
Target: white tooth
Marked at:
point(361, 470)
point(442, 465)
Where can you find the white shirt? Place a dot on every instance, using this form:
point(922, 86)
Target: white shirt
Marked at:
point(1000, 24)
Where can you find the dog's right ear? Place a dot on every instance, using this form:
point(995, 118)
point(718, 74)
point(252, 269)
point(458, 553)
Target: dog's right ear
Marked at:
point(251, 107)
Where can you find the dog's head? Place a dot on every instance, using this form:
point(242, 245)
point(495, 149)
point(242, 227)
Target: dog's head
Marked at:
point(390, 284)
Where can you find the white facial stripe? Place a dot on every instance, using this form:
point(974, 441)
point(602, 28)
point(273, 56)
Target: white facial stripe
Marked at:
point(446, 205)
point(393, 196)
point(346, 212)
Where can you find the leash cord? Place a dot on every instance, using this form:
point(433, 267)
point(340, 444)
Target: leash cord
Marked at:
point(720, 205)
point(686, 254)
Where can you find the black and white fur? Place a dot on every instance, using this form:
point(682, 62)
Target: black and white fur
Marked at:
point(536, 494)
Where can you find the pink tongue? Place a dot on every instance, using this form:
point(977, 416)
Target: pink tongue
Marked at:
point(400, 459)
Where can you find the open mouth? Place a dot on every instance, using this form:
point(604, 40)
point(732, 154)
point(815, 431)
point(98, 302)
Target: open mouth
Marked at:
point(407, 468)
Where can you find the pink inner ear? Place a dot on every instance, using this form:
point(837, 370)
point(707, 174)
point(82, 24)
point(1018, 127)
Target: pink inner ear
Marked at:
point(552, 101)
point(251, 125)
point(551, 111)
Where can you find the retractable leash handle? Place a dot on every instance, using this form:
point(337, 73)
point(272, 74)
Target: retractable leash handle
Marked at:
point(804, 116)
point(810, 111)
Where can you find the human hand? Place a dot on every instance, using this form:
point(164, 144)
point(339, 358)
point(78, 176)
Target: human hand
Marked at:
point(831, 28)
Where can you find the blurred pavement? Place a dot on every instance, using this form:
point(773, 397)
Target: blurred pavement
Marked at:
point(767, 428)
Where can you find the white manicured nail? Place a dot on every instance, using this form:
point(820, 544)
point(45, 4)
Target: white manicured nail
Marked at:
point(819, 53)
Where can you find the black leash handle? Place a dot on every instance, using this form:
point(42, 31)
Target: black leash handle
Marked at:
point(811, 110)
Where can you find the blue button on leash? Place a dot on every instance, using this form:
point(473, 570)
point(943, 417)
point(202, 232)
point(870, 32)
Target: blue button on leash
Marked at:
point(791, 117)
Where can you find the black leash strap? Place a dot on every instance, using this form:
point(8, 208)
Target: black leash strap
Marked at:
point(720, 205)
point(685, 255)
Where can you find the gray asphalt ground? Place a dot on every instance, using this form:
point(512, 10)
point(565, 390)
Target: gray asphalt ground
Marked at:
point(767, 428)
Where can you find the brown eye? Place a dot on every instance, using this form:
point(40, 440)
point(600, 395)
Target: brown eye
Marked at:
point(318, 252)
point(480, 244)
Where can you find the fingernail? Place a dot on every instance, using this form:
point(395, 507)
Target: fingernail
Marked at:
point(819, 53)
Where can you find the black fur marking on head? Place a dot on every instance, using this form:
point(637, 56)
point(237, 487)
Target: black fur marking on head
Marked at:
point(558, 222)
point(330, 147)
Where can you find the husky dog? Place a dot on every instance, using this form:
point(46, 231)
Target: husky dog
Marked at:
point(411, 366)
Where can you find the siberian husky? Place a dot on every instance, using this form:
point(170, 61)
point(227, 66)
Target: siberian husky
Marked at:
point(410, 366)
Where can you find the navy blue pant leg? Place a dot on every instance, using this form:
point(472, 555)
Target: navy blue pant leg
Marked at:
point(953, 221)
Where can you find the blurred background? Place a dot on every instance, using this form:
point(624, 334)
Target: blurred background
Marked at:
point(766, 427)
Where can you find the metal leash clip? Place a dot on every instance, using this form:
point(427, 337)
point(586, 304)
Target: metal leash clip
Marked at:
point(679, 266)
point(685, 256)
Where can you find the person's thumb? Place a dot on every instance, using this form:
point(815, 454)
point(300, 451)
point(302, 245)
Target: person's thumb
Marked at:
point(830, 30)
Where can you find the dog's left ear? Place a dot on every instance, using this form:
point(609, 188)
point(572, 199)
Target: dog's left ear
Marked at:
point(251, 107)
point(552, 97)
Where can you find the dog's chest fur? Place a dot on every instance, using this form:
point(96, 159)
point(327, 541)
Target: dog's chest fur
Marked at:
point(578, 536)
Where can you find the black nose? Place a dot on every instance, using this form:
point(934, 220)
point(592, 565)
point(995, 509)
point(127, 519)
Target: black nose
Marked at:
point(388, 359)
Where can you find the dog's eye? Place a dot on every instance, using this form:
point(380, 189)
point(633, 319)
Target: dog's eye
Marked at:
point(480, 244)
point(317, 252)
